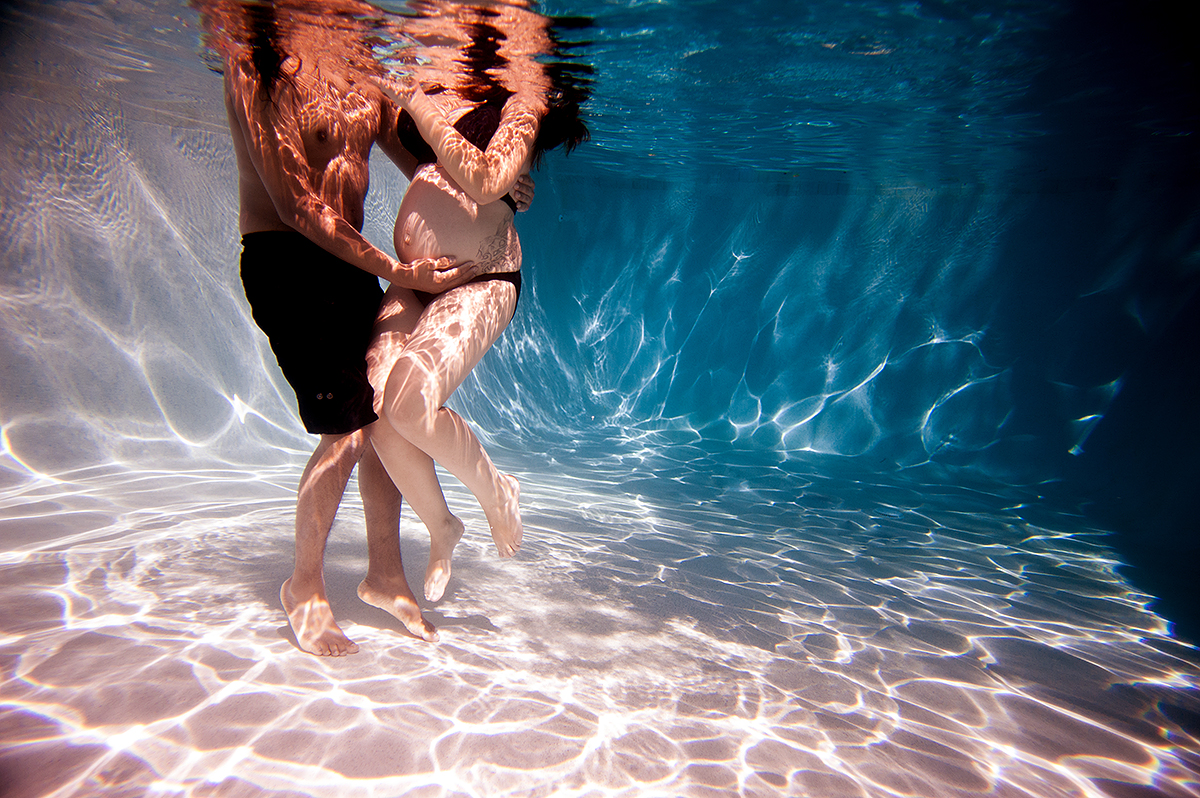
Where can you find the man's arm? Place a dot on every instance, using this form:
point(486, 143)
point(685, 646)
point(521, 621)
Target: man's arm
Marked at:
point(279, 158)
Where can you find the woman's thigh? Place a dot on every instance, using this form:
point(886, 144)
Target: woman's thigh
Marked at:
point(398, 315)
point(450, 338)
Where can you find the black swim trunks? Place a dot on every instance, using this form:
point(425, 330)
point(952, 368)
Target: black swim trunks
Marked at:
point(318, 312)
point(509, 277)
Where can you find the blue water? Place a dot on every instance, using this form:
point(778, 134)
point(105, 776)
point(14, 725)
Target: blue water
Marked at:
point(851, 393)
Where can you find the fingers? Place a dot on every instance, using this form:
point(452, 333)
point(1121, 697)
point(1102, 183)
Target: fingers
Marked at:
point(441, 274)
point(464, 269)
point(450, 273)
point(455, 275)
point(462, 274)
point(522, 192)
point(436, 265)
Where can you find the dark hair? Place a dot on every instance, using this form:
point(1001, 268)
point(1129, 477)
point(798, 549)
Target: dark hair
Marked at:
point(262, 31)
point(562, 124)
point(570, 87)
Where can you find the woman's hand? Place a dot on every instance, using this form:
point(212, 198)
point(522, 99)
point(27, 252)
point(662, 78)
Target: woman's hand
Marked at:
point(435, 275)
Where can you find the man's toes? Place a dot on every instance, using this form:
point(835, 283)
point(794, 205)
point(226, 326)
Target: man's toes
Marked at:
point(423, 630)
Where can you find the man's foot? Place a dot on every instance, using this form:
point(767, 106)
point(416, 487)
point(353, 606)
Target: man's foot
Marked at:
point(399, 602)
point(505, 520)
point(312, 623)
point(441, 549)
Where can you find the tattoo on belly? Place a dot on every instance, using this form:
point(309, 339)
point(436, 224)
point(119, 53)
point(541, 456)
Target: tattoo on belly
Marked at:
point(501, 250)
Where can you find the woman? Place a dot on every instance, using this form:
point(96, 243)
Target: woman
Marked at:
point(473, 142)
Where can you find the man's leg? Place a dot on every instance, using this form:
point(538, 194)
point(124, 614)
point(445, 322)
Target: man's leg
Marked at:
point(303, 595)
point(385, 586)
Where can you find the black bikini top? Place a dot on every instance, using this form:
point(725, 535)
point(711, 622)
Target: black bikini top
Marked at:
point(477, 126)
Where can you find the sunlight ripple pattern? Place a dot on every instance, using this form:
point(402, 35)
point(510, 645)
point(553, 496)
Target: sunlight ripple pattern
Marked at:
point(894, 640)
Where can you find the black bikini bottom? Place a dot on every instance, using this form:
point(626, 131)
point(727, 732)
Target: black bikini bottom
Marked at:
point(509, 277)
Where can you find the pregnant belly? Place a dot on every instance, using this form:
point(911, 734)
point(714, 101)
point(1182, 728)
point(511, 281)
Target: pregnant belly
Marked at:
point(435, 223)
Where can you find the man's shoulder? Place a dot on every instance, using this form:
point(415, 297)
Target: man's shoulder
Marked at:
point(240, 76)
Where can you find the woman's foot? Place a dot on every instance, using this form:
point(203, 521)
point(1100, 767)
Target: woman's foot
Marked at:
point(311, 619)
point(397, 600)
point(441, 548)
point(505, 519)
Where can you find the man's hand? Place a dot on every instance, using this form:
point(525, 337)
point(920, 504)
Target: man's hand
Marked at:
point(435, 275)
point(522, 192)
point(400, 90)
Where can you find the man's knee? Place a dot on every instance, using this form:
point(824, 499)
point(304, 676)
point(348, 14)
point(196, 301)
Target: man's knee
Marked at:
point(345, 446)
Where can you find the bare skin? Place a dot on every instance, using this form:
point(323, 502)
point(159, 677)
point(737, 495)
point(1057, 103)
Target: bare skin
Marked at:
point(385, 586)
point(401, 315)
point(453, 207)
point(312, 622)
point(410, 468)
point(441, 552)
point(302, 156)
point(448, 341)
point(451, 337)
point(431, 351)
point(303, 595)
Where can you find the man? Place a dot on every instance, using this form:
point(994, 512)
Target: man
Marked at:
point(303, 122)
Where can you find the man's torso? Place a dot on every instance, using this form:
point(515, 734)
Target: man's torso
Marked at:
point(336, 123)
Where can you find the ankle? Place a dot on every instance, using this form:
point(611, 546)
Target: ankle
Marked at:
point(380, 582)
point(451, 523)
point(304, 585)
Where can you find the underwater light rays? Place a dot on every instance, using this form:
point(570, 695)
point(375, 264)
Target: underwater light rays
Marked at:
point(788, 595)
point(681, 365)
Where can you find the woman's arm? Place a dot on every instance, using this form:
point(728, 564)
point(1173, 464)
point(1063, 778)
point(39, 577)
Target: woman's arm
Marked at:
point(486, 176)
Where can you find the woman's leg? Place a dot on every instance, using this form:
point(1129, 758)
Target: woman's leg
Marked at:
point(385, 585)
point(413, 473)
point(449, 339)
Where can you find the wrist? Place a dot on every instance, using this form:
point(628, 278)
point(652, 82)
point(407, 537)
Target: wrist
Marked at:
point(400, 272)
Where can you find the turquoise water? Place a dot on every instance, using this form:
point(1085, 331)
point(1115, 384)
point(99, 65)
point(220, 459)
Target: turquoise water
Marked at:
point(849, 379)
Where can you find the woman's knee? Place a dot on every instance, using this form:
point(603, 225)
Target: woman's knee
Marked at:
point(406, 404)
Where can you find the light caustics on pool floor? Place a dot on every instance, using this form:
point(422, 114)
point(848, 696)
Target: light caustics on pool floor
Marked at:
point(904, 641)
